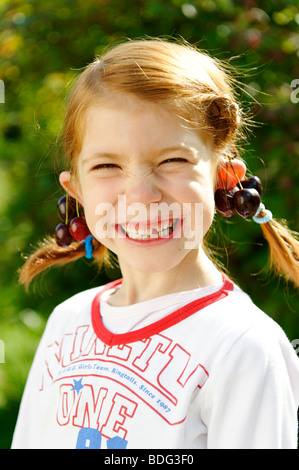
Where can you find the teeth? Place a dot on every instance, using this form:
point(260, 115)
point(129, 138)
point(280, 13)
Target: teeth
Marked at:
point(149, 233)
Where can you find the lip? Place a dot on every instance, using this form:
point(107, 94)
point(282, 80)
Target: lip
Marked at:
point(177, 224)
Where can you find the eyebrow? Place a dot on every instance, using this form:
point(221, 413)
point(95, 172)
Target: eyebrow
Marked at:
point(155, 153)
point(100, 155)
point(179, 148)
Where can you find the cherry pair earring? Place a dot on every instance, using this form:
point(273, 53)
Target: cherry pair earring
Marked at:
point(73, 225)
point(234, 194)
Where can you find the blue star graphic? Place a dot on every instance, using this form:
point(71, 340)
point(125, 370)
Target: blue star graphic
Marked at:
point(77, 385)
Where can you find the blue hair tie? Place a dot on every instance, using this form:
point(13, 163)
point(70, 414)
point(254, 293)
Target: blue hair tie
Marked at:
point(88, 246)
point(262, 220)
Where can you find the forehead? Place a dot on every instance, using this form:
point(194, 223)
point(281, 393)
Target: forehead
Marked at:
point(135, 127)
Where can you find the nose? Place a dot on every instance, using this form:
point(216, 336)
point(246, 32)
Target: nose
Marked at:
point(143, 189)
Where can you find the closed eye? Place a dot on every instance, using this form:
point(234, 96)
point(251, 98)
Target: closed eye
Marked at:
point(174, 160)
point(104, 166)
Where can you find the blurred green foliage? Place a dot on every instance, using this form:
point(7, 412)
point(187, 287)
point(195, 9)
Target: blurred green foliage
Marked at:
point(43, 45)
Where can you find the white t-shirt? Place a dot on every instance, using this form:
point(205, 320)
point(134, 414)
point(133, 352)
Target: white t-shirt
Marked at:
point(203, 369)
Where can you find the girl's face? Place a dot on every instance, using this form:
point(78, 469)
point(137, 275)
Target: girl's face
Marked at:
point(146, 183)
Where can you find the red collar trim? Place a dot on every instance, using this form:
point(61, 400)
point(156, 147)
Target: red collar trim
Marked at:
point(112, 339)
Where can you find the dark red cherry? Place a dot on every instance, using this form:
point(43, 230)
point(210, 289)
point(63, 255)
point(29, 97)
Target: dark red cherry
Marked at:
point(62, 235)
point(224, 202)
point(78, 229)
point(253, 182)
point(67, 204)
point(246, 202)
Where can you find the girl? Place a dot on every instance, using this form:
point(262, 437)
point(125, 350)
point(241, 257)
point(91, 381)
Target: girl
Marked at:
point(173, 354)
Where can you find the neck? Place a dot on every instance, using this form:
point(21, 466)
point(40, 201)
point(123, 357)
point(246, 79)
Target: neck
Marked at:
point(196, 271)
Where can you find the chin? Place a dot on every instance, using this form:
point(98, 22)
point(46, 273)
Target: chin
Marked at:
point(156, 265)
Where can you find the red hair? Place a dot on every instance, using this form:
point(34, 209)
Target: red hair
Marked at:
point(197, 88)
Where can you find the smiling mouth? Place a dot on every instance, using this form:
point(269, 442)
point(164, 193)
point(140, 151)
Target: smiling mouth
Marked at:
point(154, 232)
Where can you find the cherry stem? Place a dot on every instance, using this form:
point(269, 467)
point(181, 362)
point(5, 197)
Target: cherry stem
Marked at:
point(239, 182)
point(77, 204)
point(67, 202)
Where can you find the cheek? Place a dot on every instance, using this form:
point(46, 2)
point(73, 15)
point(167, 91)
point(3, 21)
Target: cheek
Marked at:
point(203, 214)
point(101, 210)
point(201, 195)
point(95, 201)
point(208, 208)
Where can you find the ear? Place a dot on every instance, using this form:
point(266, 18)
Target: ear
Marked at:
point(68, 182)
point(229, 172)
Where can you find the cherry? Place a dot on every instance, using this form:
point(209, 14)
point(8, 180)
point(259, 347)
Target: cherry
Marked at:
point(62, 235)
point(230, 173)
point(246, 202)
point(225, 203)
point(252, 182)
point(67, 204)
point(78, 229)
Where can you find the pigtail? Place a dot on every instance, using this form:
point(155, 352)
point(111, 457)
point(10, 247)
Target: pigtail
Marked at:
point(198, 89)
point(49, 254)
point(224, 118)
point(230, 199)
point(284, 249)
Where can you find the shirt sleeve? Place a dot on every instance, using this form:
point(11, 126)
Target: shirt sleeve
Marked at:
point(251, 399)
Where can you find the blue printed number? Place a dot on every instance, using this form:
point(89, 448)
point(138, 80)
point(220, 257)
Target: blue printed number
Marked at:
point(117, 443)
point(89, 438)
